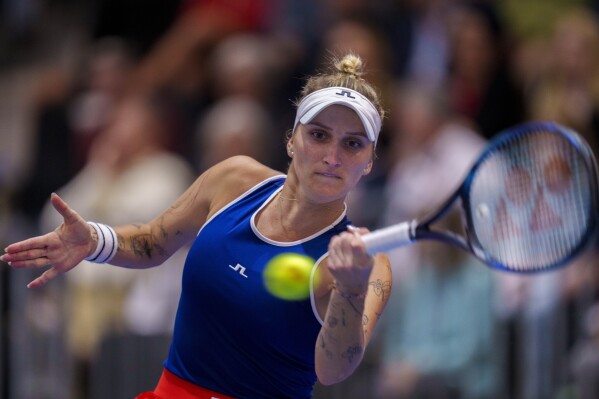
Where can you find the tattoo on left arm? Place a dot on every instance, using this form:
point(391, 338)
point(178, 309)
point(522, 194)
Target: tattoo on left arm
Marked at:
point(351, 352)
point(381, 288)
point(332, 321)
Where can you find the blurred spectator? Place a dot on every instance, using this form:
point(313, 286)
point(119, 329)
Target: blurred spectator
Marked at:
point(542, 317)
point(584, 363)
point(567, 89)
point(121, 18)
point(235, 125)
point(253, 66)
point(127, 166)
point(542, 314)
point(200, 25)
point(426, 41)
point(104, 79)
point(244, 64)
point(194, 62)
point(530, 18)
point(480, 83)
point(432, 151)
point(528, 311)
point(51, 144)
point(440, 342)
point(69, 109)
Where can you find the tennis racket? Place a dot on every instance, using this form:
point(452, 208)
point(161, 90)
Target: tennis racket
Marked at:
point(529, 203)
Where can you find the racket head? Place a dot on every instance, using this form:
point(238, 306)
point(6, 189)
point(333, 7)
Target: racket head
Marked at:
point(530, 200)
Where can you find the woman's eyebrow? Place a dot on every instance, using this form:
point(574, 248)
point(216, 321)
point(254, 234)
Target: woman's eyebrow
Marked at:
point(361, 133)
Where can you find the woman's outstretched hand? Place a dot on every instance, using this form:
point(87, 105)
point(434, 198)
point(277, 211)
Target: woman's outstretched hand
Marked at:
point(61, 250)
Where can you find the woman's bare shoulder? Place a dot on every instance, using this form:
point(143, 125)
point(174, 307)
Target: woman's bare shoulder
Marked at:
point(235, 176)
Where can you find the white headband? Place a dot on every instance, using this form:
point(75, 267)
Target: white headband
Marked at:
point(313, 103)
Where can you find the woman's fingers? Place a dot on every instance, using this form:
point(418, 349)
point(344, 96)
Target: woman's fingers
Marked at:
point(58, 250)
point(29, 263)
point(44, 278)
point(25, 255)
point(357, 230)
point(25, 245)
point(348, 261)
point(69, 215)
point(348, 247)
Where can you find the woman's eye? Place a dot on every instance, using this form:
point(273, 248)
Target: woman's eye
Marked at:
point(318, 134)
point(355, 144)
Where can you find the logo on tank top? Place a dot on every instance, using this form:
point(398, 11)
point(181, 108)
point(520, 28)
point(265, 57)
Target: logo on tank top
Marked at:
point(240, 269)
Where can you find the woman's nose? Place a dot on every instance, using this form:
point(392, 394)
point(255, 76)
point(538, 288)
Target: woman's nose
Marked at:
point(332, 155)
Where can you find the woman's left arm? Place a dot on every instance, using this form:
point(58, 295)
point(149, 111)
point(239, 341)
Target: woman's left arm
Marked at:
point(360, 290)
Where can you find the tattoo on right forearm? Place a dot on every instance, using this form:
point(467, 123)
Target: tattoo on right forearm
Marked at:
point(163, 238)
point(142, 245)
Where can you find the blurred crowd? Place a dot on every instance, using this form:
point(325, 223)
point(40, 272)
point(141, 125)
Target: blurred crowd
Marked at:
point(118, 105)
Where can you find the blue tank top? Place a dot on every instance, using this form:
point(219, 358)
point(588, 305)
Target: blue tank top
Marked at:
point(231, 336)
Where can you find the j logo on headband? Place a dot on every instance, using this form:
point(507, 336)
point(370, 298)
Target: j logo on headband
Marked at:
point(346, 93)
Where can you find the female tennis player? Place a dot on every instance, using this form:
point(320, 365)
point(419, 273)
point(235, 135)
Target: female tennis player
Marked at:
point(232, 339)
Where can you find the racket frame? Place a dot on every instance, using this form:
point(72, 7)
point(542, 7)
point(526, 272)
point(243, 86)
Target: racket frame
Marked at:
point(472, 242)
point(404, 233)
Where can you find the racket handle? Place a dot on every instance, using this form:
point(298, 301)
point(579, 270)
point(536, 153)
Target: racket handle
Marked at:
point(387, 238)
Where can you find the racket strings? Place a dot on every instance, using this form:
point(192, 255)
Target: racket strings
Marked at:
point(531, 199)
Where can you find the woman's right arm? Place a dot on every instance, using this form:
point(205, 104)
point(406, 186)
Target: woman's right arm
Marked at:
point(139, 245)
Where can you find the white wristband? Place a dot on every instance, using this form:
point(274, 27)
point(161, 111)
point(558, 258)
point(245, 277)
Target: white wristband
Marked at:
point(107, 244)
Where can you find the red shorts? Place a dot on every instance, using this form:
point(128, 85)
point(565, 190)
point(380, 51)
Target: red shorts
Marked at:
point(172, 387)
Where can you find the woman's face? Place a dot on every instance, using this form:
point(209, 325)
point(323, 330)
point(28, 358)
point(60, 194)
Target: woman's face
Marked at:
point(330, 154)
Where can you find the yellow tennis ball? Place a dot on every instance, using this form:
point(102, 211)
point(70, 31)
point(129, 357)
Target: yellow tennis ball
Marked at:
point(287, 276)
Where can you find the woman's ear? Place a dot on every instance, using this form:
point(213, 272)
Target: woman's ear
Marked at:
point(368, 168)
point(290, 148)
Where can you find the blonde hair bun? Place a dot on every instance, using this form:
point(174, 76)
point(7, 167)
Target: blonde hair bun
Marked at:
point(346, 72)
point(350, 64)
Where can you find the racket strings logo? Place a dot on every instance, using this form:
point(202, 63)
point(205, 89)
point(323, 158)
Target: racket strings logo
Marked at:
point(526, 199)
point(544, 217)
point(504, 226)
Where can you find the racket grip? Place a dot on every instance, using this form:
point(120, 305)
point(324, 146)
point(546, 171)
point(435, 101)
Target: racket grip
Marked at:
point(387, 238)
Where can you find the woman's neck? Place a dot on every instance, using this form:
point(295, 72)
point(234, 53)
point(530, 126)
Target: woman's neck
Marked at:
point(288, 217)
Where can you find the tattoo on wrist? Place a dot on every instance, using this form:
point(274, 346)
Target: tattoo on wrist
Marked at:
point(94, 235)
point(349, 295)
